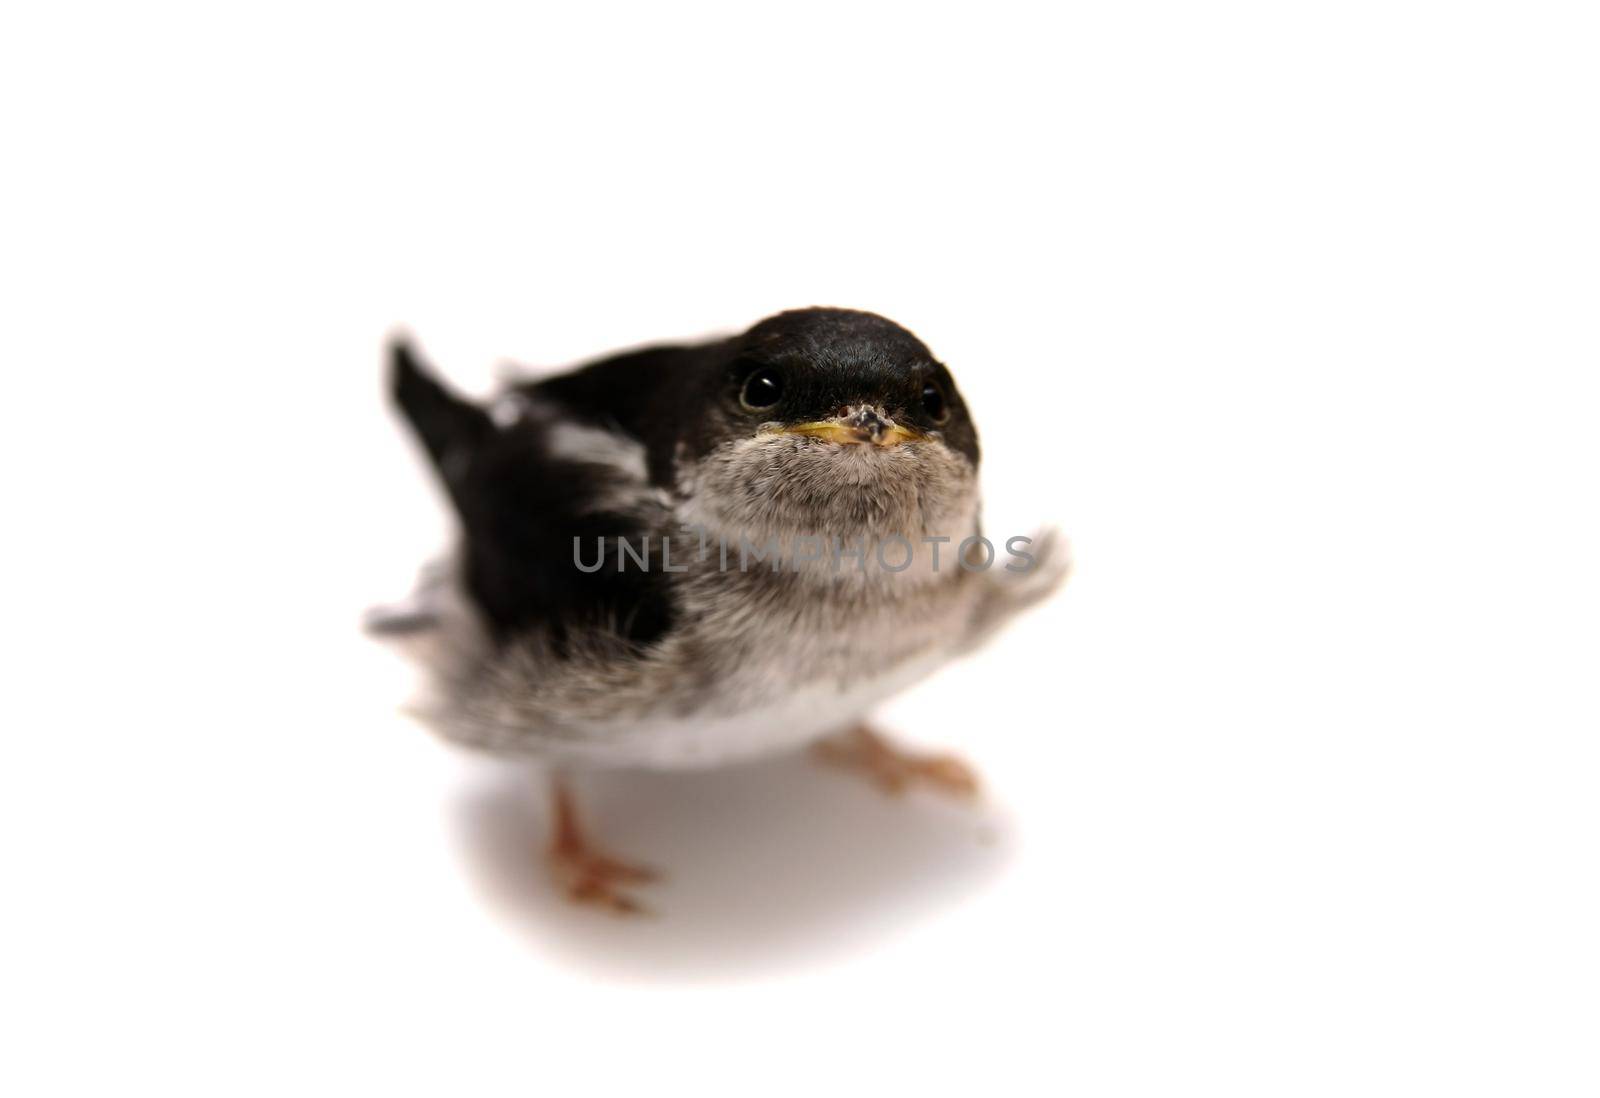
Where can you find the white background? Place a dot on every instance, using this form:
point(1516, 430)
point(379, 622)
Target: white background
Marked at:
point(1285, 313)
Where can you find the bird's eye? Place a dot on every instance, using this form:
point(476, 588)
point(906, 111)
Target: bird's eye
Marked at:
point(933, 403)
point(762, 389)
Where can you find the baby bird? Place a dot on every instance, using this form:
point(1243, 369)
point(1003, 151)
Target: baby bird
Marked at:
point(689, 555)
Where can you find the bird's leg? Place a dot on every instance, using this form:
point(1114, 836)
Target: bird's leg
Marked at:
point(587, 875)
point(893, 769)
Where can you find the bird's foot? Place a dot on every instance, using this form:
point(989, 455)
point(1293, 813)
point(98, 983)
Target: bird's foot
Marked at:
point(892, 769)
point(587, 875)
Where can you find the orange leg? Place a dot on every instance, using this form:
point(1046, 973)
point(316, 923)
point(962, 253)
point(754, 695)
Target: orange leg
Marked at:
point(892, 769)
point(587, 875)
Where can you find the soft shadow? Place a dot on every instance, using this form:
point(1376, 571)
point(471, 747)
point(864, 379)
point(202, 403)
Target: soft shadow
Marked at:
point(767, 865)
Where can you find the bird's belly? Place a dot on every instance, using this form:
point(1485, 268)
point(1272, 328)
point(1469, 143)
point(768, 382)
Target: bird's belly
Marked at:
point(779, 723)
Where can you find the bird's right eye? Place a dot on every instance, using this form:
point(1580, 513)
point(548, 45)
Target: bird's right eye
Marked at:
point(762, 389)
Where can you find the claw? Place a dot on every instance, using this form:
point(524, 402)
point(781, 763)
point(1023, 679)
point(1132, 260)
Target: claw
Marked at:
point(892, 769)
point(588, 875)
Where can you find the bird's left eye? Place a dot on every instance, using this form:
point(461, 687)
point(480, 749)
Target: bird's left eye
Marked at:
point(934, 404)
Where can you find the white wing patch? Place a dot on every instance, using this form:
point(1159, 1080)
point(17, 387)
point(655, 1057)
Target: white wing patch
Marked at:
point(576, 442)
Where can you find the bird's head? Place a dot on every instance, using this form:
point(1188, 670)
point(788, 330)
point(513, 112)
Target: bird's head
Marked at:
point(833, 423)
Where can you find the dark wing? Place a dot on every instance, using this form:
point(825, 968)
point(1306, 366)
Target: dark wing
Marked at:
point(532, 505)
point(649, 394)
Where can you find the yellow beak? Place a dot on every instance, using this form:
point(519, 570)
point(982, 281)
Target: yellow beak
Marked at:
point(850, 434)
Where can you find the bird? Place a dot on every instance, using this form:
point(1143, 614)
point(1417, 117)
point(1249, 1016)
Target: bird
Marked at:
point(692, 554)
